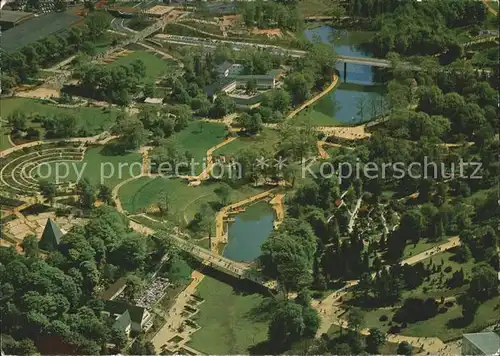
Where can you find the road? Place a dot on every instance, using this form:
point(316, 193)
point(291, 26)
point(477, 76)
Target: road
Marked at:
point(212, 43)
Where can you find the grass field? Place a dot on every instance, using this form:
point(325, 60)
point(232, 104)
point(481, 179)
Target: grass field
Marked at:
point(231, 322)
point(184, 201)
point(156, 67)
point(4, 132)
point(445, 326)
point(197, 138)
point(214, 29)
point(317, 118)
point(268, 139)
point(314, 7)
point(92, 120)
point(421, 246)
point(97, 165)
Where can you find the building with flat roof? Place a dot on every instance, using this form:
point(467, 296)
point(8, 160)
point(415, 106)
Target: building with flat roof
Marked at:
point(487, 343)
point(230, 79)
point(9, 19)
point(127, 317)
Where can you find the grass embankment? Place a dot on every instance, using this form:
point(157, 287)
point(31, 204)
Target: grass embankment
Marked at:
point(389, 348)
point(198, 138)
point(184, 201)
point(156, 66)
point(4, 133)
point(232, 321)
point(268, 139)
point(91, 120)
point(96, 165)
point(308, 8)
point(448, 325)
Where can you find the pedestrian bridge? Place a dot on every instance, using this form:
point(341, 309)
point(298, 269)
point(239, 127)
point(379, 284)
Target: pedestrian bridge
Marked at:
point(222, 264)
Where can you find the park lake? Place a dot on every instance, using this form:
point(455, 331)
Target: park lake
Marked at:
point(358, 99)
point(248, 231)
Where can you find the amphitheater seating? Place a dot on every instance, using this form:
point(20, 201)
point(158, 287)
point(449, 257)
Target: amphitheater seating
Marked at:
point(17, 175)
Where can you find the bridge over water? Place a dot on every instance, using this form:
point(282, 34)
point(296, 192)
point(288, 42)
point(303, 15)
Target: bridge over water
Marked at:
point(211, 259)
point(220, 263)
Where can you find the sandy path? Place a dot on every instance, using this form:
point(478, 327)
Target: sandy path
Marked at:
point(490, 8)
point(335, 80)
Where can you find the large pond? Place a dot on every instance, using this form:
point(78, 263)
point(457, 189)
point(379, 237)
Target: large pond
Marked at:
point(247, 233)
point(360, 97)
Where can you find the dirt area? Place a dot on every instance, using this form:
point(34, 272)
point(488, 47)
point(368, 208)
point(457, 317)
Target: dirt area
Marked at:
point(230, 21)
point(115, 55)
point(159, 10)
point(39, 93)
point(346, 133)
point(34, 224)
point(271, 33)
point(174, 14)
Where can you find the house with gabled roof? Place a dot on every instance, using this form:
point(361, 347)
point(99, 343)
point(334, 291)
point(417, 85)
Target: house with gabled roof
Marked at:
point(485, 343)
point(129, 318)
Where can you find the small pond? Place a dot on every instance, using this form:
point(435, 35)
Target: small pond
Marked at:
point(248, 232)
point(361, 96)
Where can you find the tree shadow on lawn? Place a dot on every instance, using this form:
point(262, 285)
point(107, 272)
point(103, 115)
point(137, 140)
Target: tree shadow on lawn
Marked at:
point(240, 286)
point(458, 323)
point(114, 149)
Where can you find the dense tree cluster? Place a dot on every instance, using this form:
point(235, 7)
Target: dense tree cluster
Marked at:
point(263, 14)
point(113, 84)
point(373, 8)
point(292, 321)
point(425, 28)
point(63, 125)
point(17, 67)
point(51, 304)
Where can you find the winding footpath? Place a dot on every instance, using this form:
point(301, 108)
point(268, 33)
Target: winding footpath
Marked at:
point(490, 8)
point(331, 311)
point(333, 84)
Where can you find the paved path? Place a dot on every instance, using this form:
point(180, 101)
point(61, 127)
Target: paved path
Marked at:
point(102, 137)
point(330, 307)
point(490, 8)
point(220, 233)
point(335, 80)
point(174, 318)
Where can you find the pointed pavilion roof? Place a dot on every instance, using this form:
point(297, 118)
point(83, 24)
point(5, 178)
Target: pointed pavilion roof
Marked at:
point(51, 236)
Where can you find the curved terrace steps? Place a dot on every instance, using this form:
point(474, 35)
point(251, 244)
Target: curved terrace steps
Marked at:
point(18, 175)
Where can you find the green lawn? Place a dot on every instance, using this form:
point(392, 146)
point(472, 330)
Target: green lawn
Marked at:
point(231, 323)
point(93, 120)
point(268, 139)
point(97, 167)
point(184, 201)
point(422, 245)
point(197, 138)
point(4, 132)
point(317, 118)
point(446, 325)
point(436, 289)
point(494, 4)
point(156, 67)
point(389, 348)
point(314, 7)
